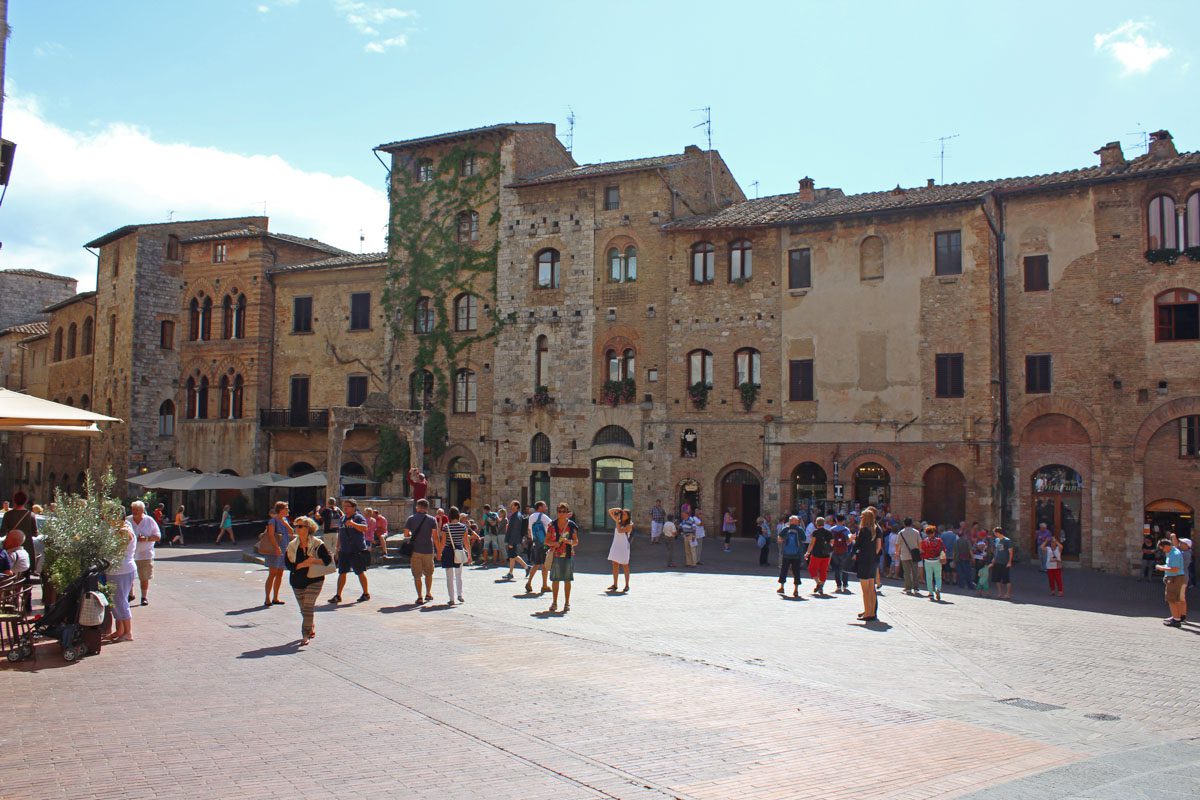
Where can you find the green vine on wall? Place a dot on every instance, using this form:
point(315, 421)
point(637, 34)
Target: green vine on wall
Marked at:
point(394, 455)
point(426, 259)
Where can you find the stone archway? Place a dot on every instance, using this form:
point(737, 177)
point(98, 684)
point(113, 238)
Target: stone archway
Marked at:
point(375, 412)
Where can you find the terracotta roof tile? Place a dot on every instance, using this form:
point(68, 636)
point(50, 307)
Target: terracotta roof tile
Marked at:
point(337, 262)
point(37, 273)
point(28, 328)
point(468, 133)
point(603, 168)
point(251, 232)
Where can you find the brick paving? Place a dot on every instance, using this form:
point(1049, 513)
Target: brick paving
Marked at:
point(698, 684)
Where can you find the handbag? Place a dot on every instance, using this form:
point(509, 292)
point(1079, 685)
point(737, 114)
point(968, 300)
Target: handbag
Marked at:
point(942, 556)
point(91, 610)
point(266, 546)
point(460, 553)
point(322, 569)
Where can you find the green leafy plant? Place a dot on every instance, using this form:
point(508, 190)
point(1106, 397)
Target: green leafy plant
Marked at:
point(541, 396)
point(1163, 255)
point(83, 531)
point(435, 433)
point(394, 455)
point(628, 390)
point(1193, 253)
point(611, 391)
point(698, 392)
point(749, 392)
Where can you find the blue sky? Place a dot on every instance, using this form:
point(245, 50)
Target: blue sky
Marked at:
point(246, 101)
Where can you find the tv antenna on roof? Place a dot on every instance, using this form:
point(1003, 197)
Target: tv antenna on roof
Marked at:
point(171, 215)
point(570, 129)
point(1143, 138)
point(362, 237)
point(755, 185)
point(942, 154)
point(706, 124)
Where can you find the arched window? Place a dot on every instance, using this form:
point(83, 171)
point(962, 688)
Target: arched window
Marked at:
point(465, 313)
point(58, 344)
point(194, 320)
point(464, 392)
point(619, 366)
point(547, 269)
point(239, 391)
point(173, 248)
point(70, 401)
point(224, 403)
point(239, 320)
point(613, 370)
point(1160, 223)
point(85, 402)
point(190, 410)
point(89, 336)
point(627, 363)
point(72, 337)
point(703, 262)
point(622, 264)
point(423, 316)
point(202, 399)
point(870, 259)
point(539, 449)
point(468, 226)
point(541, 353)
point(1191, 221)
point(612, 434)
point(808, 485)
point(741, 260)
point(227, 318)
point(206, 309)
point(1177, 316)
point(420, 390)
point(746, 367)
point(700, 368)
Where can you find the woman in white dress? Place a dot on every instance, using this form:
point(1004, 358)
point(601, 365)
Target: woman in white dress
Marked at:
point(618, 554)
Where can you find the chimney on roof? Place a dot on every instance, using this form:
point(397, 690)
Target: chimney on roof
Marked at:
point(692, 150)
point(807, 193)
point(1161, 145)
point(929, 183)
point(898, 190)
point(1111, 155)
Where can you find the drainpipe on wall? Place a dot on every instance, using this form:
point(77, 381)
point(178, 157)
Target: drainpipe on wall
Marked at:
point(1006, 470)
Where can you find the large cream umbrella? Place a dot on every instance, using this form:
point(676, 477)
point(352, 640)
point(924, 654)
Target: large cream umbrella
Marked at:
point(23, 412)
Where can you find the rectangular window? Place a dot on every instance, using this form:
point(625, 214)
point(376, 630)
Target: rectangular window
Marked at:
point(949, 377)
point(1037, 374)
point(468, 166)
point(800, 380)
point(800, 269)
point(219, 253)
point(356, 390)
point(947, 253)
point(302, 315)
point(360, 311)
point(612, 198)
point(1189, 437)
point(1037, 273)
point(166, 335)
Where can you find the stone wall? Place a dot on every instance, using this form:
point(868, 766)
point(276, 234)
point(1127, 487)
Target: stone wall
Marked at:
point(25, 292)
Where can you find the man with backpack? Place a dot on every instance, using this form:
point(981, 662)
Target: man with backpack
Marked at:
point(791, 551)
point(539, 523)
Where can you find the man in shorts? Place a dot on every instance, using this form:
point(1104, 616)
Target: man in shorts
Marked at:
point(493, 543)
point(146, 530)
point(1003, 553)
point(352, 550)
point(539, 523)
point(514, 536)
point(381, 532)
point(1174, 582)
point(419, 529)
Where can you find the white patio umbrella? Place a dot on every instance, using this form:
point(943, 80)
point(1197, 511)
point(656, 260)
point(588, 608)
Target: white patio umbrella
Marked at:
point(158, 476)
point(267, 479)
point(306, 481)
point(25, 412)
point(204, 481)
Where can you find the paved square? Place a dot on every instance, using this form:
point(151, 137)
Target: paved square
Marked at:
point(697, 684)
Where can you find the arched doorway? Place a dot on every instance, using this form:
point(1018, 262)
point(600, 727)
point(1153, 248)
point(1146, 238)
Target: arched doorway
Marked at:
point(742, 491)
point(688, 494)
point(1171, 516)
point(872, 486)
point(612, 487)
point(1058, 501)
point(458, 482)
point(353, 479)
point(809, 487)
point(944, 499)
point(305, 499)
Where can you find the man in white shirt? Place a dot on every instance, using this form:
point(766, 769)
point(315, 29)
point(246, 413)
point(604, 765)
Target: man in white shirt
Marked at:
point(543, 556)
point(670, 535)
point(146, 530)
point(908, 540)
point(18, 556)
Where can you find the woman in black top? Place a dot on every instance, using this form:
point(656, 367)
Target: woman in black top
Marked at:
point(868, 543)
point(309, 561)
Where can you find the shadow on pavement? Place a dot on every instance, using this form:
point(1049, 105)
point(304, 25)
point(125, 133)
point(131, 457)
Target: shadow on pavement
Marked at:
point(213, 557)
point(400, 609)
point(250, 610)
point(288, 649)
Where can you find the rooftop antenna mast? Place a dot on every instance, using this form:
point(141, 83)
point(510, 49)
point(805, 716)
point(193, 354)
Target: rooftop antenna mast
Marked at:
point(1143, 138)
point(707, 125)
point(755, 185)
point(942, 154)
point(171, 215)
point(362, 238)
point(570, 130)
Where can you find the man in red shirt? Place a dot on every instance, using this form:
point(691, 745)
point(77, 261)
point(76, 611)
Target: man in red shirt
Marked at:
point(419, 485)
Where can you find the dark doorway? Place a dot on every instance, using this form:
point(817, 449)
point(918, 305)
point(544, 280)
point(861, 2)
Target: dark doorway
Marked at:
point(689, 495)
point(741, 491)
point(944, 501)
point(808, 488)
point(304, 500)
point(458, 483)
point(1170, 516)
point(1058, 502)
point(872, 486)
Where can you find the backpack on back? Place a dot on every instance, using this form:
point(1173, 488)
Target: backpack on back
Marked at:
point(538, 529)
point(792, 536)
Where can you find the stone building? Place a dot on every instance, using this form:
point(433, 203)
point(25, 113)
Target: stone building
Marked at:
point(25, 292)
point(69, 379)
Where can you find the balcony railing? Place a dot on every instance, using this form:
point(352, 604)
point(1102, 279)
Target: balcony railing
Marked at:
point(313, 418)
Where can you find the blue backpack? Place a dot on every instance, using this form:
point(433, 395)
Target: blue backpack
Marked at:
point(793, 537)
point(538, 529)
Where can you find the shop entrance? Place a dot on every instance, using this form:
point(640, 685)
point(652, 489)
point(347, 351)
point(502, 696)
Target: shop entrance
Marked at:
point(1058, 502)
point(1171, 516)
point(741, 491)
point(612, 487)
point(458, 483)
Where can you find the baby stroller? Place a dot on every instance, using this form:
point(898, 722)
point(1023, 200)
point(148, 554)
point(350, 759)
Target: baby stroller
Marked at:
point(62, 619)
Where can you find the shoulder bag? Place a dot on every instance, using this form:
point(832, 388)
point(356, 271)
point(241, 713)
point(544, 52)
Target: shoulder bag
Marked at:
point(322, 569)
point(460, 553)
point(267, 544)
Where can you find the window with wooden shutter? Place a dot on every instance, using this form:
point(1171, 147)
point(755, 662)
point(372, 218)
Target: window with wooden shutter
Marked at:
point(949, 375)
point(800, 380)
point(800, 268)
point(1037, 273)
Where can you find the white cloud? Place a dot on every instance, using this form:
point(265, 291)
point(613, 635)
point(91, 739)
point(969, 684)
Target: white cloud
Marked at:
point(368, 18)
point(265, 8)
point(47, 49)
point(1129, 46)
point(70, 187)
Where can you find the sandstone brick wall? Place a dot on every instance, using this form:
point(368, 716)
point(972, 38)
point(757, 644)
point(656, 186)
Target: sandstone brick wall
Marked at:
point(24, 293)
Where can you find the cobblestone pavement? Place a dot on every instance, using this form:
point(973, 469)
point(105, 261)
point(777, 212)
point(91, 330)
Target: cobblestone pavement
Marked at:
point(697, 684)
